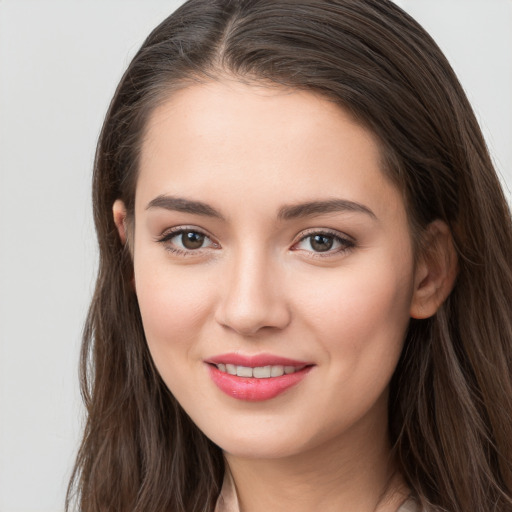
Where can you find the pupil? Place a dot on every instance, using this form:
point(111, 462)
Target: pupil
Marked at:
point(321, 243)
point(192, 240)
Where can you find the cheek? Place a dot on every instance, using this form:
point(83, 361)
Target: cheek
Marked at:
point(173, 304)
point(361, 315)
point(174, 307)
point(359, 320)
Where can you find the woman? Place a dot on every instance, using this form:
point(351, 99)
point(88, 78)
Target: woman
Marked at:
point(304, 291)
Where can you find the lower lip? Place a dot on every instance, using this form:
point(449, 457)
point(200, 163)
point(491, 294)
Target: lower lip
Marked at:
point(252, 389)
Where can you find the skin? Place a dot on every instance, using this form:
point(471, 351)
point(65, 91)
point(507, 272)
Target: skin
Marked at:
point(257, 285)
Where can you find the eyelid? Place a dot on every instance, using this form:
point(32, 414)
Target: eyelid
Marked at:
point(324, 231)
point(168, 234)
point(345, 240)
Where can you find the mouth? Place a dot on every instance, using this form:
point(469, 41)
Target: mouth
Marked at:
point(258, 372)
point(256, 378)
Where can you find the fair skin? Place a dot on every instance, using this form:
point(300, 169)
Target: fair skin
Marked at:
point(332, 285)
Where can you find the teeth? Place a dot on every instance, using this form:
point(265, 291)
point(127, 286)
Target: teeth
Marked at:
point(259, 372)
point(243, 371)
point(276, 371)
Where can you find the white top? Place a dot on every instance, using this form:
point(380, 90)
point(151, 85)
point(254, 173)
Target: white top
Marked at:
point(228, 500)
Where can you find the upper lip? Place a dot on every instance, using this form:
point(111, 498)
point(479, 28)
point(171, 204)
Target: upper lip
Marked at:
point(254, 361)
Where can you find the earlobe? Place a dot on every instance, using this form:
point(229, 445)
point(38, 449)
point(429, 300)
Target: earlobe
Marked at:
point(119, 212)
point(436, 271)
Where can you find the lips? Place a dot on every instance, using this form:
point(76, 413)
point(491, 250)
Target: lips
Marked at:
point(256, 378)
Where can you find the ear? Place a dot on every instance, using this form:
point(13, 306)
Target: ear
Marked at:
point(119, 211)
point(436, 271)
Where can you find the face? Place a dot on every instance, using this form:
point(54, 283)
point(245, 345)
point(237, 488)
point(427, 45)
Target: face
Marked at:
point(268, 243)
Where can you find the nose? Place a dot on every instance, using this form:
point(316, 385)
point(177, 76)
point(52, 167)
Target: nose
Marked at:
point(252, 296)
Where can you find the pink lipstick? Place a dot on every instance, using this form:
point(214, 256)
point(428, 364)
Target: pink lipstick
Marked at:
point(256, 378)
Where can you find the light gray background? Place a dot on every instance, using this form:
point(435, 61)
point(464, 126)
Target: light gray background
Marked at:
point(59, 64)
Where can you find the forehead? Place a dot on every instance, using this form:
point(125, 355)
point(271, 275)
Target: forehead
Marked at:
point(270, 114)
point(259, 143)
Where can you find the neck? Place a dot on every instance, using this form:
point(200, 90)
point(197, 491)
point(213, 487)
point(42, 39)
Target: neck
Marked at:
point(353, 473)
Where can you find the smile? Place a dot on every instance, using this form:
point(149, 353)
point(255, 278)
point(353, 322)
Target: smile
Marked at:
point(258, 372)
point(256, 378)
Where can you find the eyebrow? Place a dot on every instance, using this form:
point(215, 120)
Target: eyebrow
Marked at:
point(316, 208)
point(180, 204)
point(288, 212)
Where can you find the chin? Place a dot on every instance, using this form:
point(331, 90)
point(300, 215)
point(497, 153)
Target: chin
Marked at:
point(262, 447)
point(261, 442)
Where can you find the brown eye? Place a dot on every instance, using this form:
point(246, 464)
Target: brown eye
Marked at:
point(183, 241)
point(325, 242)
point(192, 239)
point(321, 243)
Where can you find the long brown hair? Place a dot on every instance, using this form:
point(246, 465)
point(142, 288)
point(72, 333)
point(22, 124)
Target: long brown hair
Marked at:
point(450, 404)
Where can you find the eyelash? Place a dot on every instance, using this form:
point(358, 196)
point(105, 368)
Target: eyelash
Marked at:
point(346, 243)
point(166, 238)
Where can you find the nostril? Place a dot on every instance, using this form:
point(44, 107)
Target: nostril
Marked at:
point(250, 299)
